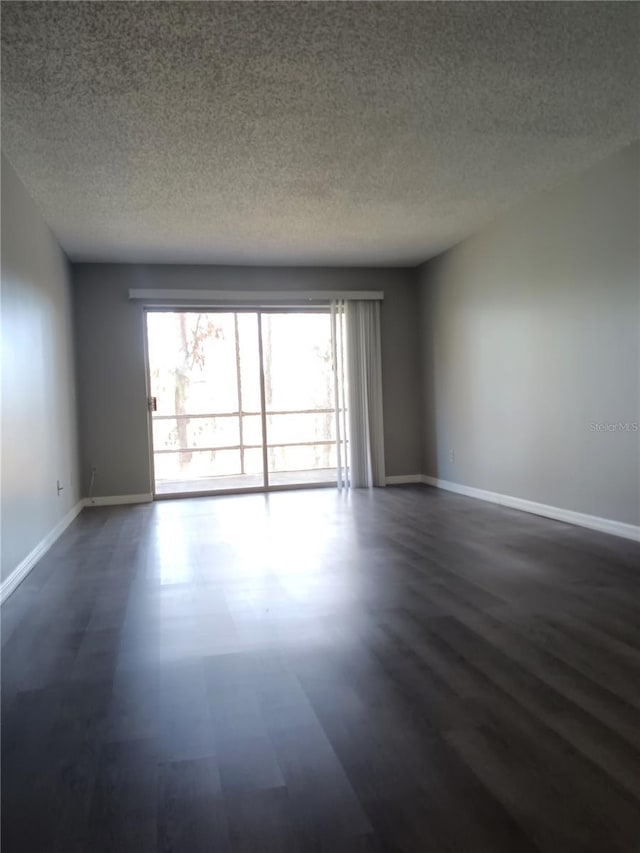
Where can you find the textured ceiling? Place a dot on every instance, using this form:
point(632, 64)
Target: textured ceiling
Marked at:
point(357, 133)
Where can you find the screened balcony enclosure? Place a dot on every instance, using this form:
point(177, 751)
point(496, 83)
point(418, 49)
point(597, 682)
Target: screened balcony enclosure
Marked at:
point(241, 400)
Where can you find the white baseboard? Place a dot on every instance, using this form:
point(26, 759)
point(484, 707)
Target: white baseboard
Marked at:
point(401, 479)
point(593, 522)
point(115, 500)
point(24, 567)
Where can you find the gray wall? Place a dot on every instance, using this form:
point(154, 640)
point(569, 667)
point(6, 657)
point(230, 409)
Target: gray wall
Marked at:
point(111, 371)
point(530, 334)
point(39, 444)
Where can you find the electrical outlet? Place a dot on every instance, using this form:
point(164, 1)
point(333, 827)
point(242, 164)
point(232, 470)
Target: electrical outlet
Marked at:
point(452, 456)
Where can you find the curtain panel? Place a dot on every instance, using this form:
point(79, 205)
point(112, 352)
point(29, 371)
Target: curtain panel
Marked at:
point(357, 359)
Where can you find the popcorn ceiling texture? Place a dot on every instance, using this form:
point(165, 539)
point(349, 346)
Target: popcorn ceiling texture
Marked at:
point(333, 133)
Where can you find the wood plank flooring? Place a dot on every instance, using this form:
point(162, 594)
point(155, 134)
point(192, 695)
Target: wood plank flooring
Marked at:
point(402, 671)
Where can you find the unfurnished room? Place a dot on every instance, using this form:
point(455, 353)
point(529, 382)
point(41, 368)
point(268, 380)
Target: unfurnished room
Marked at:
point(320, 427)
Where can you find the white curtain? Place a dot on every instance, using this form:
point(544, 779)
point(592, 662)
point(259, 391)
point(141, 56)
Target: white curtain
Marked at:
point(357, 362)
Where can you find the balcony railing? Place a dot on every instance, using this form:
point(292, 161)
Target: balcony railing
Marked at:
point(241, 446)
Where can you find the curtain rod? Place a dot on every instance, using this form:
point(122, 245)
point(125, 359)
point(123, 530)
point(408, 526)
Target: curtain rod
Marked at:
point(259, 297)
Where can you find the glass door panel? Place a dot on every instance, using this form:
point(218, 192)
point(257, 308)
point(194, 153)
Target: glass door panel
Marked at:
point(203, 368)
point(299, 398)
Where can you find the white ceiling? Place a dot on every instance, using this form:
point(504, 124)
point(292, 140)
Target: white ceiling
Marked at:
point(310, 133)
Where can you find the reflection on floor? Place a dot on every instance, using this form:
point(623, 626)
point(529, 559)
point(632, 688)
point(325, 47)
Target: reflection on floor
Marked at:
point(320, 476)
point(399, 670)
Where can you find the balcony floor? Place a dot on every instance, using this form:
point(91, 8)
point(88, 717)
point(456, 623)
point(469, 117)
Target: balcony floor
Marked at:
point(246, 481)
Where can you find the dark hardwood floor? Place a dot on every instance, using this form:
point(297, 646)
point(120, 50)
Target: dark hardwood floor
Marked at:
point(403, 670)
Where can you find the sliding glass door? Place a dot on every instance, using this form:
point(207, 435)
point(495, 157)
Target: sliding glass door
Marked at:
point(240, 400)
